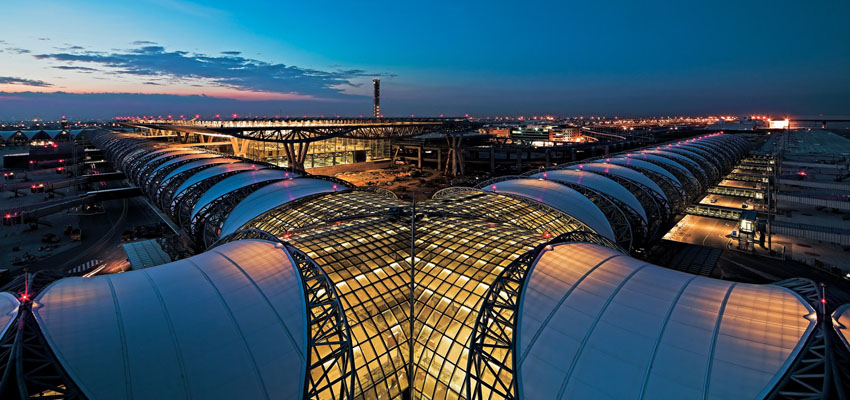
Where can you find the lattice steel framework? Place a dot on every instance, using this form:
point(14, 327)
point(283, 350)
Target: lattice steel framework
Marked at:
point(152, 183)
point(166, 191)
point(311, 130)
point(620, 222)
point(330, 362)
point(711, 166)
point(676, 196)
point(725, 158)
point(29, 368)
point(326, 207)
point(184, 202)
point(822, 369)
point(144, 172)
point(206, 226)
point(504, 208)
point(658, 210)
point(491, 362)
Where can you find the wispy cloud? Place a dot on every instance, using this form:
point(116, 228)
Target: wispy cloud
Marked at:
point(231, 53)
point(107, 105)
point(229, 70)
point(9, 80)
point(17, 50)
point(76, 68)
point(143, 42)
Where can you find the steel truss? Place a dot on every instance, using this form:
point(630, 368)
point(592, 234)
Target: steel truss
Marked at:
point(822, 368)
point(28, 366)
point(164, 195)
point(620, 221)
point(136, 169)
point(675, 192)
point(312, 130)
point(206, 226)
point(145, 173)
point(330, 354)
point(726, 158)
point(153, 183)
point(182, 204)
point(658, 211)
point(697, 165)
point(491, 366)
point(618, 213)
point(690, 183)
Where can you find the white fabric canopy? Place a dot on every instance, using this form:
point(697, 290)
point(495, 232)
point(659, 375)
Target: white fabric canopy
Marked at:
point(595, 323)
point(229, 323)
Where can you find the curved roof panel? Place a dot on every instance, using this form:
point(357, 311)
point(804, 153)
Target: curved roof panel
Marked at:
point(274, 195)
point(238, 181)
point(189, 156)
point(596, 182)
point(644, 164)
point(666, 161)
point(595, 323)
point(228, 323)
point(697, 163)
point(841, 323)
point(8, 311)
point(696, 157)
point(559, 197)
point(198, 163)
point(214, 171)
point(622, 172)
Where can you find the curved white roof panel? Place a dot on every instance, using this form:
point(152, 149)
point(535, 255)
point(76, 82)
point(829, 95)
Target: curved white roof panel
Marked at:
point(559, 197)
point(666, 161)
point(622, 172)
point(841, 323)
point(693, 157)
point(644, 164)
point(8, 311)
point(596, 182)
point(214, 171)
point(238, 181)
point(185, 157)
point(178, 154)
point(274, 195)
point(198, 163)
point(595, 323)
point(228, 323)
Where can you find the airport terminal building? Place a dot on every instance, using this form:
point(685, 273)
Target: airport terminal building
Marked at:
point(310, 287)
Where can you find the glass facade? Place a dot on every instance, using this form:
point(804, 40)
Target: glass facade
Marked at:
point(324, 153)
point(463, 241)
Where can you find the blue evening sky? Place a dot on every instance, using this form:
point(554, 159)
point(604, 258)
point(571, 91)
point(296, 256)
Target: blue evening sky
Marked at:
point(106, 58)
